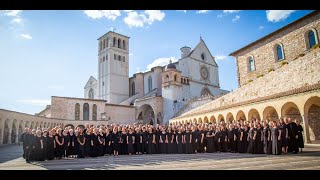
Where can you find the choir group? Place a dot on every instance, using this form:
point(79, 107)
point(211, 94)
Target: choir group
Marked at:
point(257, 137)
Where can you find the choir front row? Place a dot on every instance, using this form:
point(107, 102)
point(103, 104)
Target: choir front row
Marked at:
point(257, 137)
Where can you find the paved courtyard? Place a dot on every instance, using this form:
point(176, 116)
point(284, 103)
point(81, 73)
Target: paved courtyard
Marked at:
point(10, 158)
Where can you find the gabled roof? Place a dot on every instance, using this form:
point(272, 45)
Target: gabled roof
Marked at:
point(114, 33)
point(202, 41)
point(90, 79)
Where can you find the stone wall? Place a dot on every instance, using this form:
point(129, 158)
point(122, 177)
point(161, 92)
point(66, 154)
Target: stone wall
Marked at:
point(294, 44)
point(298, 73)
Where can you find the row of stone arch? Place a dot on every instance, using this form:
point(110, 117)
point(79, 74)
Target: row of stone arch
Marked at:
point(310, 112)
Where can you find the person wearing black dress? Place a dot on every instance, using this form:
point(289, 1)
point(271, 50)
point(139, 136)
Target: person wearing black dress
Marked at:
point(130, 141)
point(223, 138)
point(70, 151)
point(150, 141)
point(87, 145)
point(259, 139)
point(108, 148)
point(163, 141)
point(38, 144)
point(187, 141)
point(123, 142)
point(59, 144)
point(101, 143)
point(266, 137)
point(170, 141)
point(81, 139)
point(115, 141)
point(252, 148)
point(284, 135)
point(138, 142)
point(45, 145)
point(144, 138)
point(95, 143)
point(217, 139)
point(66, 143)
point(157, 144)
point(242, 144)
point(179, 137)
point(300, 136)
point(50, 145)
point(76, 143)
point(276, 139)
point(232, 138)
point(210, 141)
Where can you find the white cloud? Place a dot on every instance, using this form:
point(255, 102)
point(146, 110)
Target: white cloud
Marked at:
point(161, 62)
point(278, 15)
point(135, 19)
point(202, 11)
point(236, 18)
point(97, 14)
point(231, 11)
point(219, 16)
point(184, 11)
point(130, 54)
point(138, 70)
point(13, 13)
point(17, 20)
point(220, 57)
point(25, 36)
point(261, 27)
point(56, 87)
point(35, 102)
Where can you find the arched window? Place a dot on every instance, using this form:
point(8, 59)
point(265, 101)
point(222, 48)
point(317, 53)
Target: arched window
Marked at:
point(107, 57)
point(119, 43)
point(187, 81)
point(124, 44)
point(94, 112)
point(175, 77)
point(251, 64)
point(279, 52)
point(181, 80)
point(115, 57)
point(119, 57)
point(311, 39)
point(85, 111)
point(114, 41)
point(133, 88)
point(149, 83)
point(107, 44)
point(124, 59)
point(104, 43)
point(77, 112)
point(202, 56)
point(100, 45)
point(91, 94)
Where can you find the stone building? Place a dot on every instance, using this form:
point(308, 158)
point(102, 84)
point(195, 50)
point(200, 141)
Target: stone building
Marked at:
point(278, 76)
point(152, 97)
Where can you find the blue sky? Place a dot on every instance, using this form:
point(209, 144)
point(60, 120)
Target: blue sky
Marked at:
point(53, 53)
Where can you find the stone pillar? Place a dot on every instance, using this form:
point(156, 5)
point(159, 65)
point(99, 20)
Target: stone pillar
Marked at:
point(155, 117)
point(306, 128)
point(17, 137)
point(9, 136)
point(1, 136)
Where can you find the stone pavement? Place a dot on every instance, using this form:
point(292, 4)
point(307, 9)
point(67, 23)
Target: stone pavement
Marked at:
point(10, 158)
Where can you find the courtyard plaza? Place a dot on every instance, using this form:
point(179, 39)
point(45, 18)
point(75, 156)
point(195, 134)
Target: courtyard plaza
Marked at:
point(309, 159)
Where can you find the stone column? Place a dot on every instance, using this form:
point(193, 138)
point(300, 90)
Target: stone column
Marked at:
point(17, 137)
point(1, 136)
point(9, 136)
point(306, 129)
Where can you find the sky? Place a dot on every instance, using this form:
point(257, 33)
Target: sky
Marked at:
point(53, 53)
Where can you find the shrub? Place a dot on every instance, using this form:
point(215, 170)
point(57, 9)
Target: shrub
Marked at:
point(301, 55)
point(284, 63)
point(260, 75)
point(250, 80)
point(316, 46)
point(271, 69)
